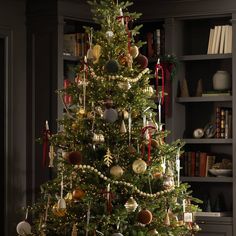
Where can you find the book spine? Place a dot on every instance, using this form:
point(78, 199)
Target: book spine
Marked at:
point(217, 122)
point(222, 123)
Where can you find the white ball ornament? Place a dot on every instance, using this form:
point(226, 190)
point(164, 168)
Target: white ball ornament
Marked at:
point(109, 34)
point(139, 166)
point(134, 51)
point(117, 234)
point(23, 228)
point(116, 171)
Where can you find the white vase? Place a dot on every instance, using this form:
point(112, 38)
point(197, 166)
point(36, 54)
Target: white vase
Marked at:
point(221, 80)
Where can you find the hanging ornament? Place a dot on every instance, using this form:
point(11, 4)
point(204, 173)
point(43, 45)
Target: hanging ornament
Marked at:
point(167, 219)
point(58, 212)
point(101, 138)
point(90, 55)
point(168, 182)
point(142, 61)
point(134, 51)
point(153, 232)
point(69, 197)
point(123, 129)
point(117, 234)
point(110, 115)
point(80, 113)
point(129, 60)
point(90, 115)
point(78, 194)
point(131, 205)
point(139, 166)
point(99, 111)
point(74, 231)
point(122, 59)
point(95, 138)
point(108, 159)
point(23, 228)
point(116, 171)
point(61, 204)
point(145, 217)
point(96, 53)
point(125, 114)
point(74, 158)
point(112, 66)
point(149, 91)
point(52, 155)
point(124, 85)
point(109, 34)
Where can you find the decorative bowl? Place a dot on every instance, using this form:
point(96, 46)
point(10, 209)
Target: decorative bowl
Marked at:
point(221, 172)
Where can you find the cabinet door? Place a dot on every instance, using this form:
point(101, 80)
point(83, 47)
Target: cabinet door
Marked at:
point(215, 230)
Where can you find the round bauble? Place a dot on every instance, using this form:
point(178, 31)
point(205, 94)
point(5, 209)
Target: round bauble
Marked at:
point(69, 197)
point(109, 34)
point(108, 103)
point(153, 232)
point(110, 115)
point(134, 51)
point(117, 234)
point(125, 115)
point(74, 158)
point(116, 171)
point(96, 53)
point(145, 217)
point(142, 61)
point(58, 212)
point(78, 194)
point(23, 228)
point(112, 66)
point(124, 85)
point(168, 182)
point(139, 166)
point(131, 205)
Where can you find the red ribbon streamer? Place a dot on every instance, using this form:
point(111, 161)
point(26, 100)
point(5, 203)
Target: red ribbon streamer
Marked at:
point(157, 68)
point(46, 135)
point(110, 196)
point(149, 127)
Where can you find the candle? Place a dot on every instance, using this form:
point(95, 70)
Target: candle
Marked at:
point(84, 82)
point(46, 125)
point(184, 205)
point(108, 192)
point(178, 166)
point(122, 16)
point(129, 124)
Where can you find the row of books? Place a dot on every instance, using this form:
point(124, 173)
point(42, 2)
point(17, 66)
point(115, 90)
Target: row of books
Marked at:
point(220, 40)
point(75, 44)
point(196, 164)
point(223, 122)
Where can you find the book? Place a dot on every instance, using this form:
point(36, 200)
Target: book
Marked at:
point(216, 93)
point(212, 214)
point(217, 40)
point(222, 39)
point(210, 161)
point(210, 41)
point(203, 159)
point(228, 39)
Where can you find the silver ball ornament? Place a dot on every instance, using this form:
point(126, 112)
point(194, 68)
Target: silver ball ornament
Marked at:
point(110, 115)
point(23, 228)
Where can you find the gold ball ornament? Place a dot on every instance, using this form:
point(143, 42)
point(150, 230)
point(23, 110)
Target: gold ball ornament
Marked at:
point(134, 51)
point(96, 53)
point(74, 126)
point(69, 197)
point(78, 194)
point(58, 212)
point(81, 112)
point(153, 232)
point(131, 205)
point(116, 171)
point(139, 166)
point(145, 217)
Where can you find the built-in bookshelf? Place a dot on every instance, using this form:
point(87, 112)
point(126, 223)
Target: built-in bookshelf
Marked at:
point(199, 111)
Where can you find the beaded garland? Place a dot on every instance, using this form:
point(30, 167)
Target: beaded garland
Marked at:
point(141, 193)
point(120, 77)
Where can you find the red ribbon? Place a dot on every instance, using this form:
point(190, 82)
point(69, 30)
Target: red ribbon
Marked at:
point(157, 68)
point(109, 196)
point(149, 127)
point(46, 136)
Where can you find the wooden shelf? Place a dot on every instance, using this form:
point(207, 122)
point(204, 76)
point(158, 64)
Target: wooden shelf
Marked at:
point(219, 98)
point(208, 179)
point(207, 140)
point(205, 57)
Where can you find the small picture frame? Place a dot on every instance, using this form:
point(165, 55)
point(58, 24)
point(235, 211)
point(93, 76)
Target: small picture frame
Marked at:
point(210, 130)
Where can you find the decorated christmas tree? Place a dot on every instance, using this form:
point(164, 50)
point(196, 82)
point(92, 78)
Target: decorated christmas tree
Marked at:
point(115, 174)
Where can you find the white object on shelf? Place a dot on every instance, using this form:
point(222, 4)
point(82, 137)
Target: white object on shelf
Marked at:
point(221, 172)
